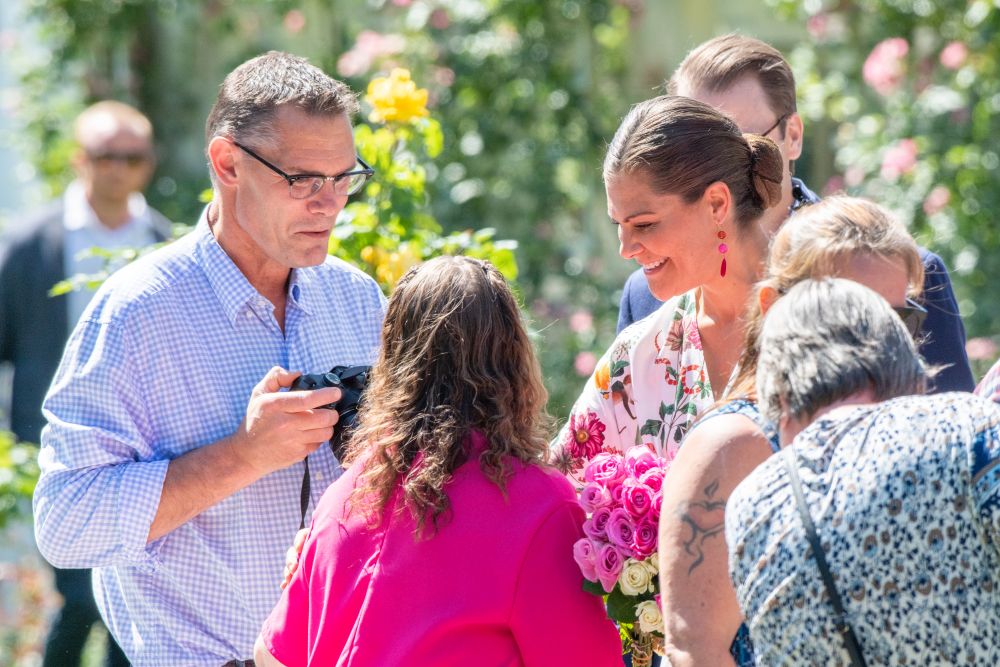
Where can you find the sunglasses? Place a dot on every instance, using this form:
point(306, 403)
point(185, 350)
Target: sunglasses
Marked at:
point(913, 316)
point(130, 159)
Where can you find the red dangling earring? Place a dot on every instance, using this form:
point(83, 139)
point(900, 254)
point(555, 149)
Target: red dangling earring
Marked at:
point(723, 249)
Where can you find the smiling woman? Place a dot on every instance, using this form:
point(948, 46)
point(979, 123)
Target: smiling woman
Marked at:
point(686, 190)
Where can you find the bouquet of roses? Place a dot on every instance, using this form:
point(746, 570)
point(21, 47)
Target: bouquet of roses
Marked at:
point(618, 558)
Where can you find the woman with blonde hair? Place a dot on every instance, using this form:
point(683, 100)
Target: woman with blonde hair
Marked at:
point(447, 541)
point(840, 236)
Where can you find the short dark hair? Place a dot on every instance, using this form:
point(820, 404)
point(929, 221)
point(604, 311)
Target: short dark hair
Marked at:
point(251, 94)
point(682, 146)
point(720, 62)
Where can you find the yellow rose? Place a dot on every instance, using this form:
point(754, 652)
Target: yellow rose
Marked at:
point(396, 98)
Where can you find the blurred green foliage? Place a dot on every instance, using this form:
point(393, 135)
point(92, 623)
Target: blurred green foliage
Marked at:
point(18, 475)
point(910, 90)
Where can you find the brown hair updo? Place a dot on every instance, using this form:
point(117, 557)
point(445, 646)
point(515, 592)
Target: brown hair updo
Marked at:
point(682, 146)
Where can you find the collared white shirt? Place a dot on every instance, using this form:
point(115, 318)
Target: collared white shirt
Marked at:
point(84, 231)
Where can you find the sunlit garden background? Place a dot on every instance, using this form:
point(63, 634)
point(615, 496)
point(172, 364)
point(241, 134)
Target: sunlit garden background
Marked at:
point(901, 101)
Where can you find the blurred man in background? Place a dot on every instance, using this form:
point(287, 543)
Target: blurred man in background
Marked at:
point(104, 208)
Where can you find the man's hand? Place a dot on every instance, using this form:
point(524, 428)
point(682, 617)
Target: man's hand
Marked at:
point(282, 428)
point(292, 556)
point(279, 429)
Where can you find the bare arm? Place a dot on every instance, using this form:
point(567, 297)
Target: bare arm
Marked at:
point(262, 657)
point(700, 608)
point(279, 429)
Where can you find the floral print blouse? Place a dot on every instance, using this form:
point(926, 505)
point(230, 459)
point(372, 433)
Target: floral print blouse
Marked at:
point(905, 496)
point(648, 389)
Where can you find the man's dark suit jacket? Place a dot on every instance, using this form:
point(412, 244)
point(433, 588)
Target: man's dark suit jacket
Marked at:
point(943, 333)
point(33, 325)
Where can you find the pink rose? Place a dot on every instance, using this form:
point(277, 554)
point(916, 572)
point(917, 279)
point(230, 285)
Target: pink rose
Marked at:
point(607, 469)
point(617, 494)
point(899, 159)
point(644, 540)
point(638, 460)
point(585, 555)
point(953, 55)
point(620, 528)
point(593, 497)
point(653, 479)
point(654, 510)
point(885, 67)
point(609, 565)
point(596, 527)
point(637, 498)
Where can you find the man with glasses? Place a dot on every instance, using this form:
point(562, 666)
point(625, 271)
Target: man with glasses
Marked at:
point(103, 207)
point(174, 460)
point(752, 83)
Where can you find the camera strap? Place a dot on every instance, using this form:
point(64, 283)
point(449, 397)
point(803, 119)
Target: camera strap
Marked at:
point(304, 495)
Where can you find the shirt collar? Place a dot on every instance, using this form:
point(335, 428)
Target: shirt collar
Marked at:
point(78, 214)
point(232, 288)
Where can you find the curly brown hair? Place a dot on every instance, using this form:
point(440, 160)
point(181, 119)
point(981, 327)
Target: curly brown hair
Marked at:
point(455, 359)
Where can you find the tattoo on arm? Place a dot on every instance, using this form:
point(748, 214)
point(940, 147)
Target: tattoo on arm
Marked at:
point(705, 519)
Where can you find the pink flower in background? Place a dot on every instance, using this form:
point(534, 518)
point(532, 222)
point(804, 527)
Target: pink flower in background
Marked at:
point(606, 469)
point(439, 19)
point(402, 3)
point(584, 363)
point(899, 160)
point(854, 176)
point(885, 66)
point(585, 555)
point(609, 565)
point(954, 55)
point(369, 46)
point(644, 541)
point(294, 21)
point(581, 321)
point(596, 527)
point(817, 25)
point(936, 200)
point(620, 528)
point(593, 497)
point(637, 498)
point(585, 436)
point(981, 349)
point(834, 184)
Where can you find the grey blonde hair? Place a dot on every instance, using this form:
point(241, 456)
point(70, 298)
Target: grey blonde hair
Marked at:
point(828, 339)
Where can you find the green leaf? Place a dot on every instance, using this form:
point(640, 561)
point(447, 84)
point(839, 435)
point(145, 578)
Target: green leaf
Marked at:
point(593, 587)
point(618, 367)
point(651, 427)
point(621, 607)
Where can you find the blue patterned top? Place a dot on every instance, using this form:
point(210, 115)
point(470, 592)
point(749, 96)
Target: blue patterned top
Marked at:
point(162, 362)
point(905, 496)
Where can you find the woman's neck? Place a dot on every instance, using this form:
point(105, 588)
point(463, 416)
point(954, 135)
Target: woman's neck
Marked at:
point(791, 427)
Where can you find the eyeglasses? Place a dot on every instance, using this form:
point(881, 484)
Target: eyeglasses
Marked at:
point(778, 122)
point(913, 316)
point(303, 186)
point(131, 159)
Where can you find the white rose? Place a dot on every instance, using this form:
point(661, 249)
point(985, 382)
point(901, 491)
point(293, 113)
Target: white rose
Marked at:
point(635, 578)
point(650, 618)
point(653, 563)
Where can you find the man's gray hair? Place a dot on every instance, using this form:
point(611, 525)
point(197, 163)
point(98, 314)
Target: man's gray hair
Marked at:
point(828, 339)
point(252, 93)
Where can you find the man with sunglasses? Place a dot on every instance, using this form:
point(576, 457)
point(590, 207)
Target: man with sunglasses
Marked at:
point(751, 82)
point(103, 207)
point(173, 461)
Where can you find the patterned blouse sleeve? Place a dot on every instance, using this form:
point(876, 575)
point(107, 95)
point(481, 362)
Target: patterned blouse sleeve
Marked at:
point(985, 459)
point(594, 425)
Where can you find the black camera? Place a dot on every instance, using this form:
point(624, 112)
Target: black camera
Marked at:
point(351, 380)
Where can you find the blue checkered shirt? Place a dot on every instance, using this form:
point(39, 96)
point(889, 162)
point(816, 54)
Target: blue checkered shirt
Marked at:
point(162, 362)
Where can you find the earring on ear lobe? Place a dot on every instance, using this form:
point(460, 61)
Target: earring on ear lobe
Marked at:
point(723, 249)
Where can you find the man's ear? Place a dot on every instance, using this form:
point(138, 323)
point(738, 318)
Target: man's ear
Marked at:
point(221, 155)
point(793, 137)
point(766, 297)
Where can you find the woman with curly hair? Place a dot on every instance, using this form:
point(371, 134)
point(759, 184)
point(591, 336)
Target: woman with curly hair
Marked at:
point(447, 541)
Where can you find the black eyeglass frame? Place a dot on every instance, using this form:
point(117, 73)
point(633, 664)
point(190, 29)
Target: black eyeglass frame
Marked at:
point(778, 122)
point(913, 315)
point(366, 171)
